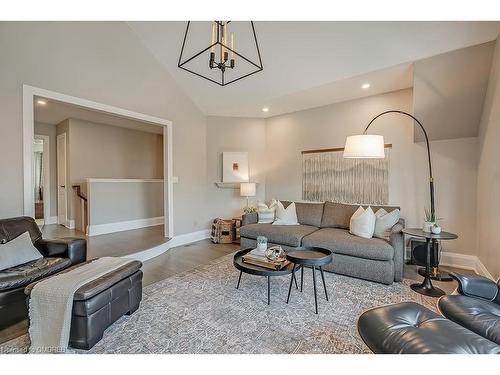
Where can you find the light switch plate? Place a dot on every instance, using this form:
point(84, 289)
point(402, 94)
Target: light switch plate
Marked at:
point(175, 179)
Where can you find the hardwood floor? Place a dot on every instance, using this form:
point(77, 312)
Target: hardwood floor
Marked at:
point(112, 244)
point(410, 272)
point(184, 258)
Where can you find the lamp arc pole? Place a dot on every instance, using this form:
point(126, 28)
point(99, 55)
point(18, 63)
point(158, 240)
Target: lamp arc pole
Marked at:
point(431, 179)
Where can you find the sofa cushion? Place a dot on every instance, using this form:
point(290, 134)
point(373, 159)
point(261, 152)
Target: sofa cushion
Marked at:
point(340, 241)
point(289, 235)
point(308, 213)
point(24, 274)
point(478, 315)
point(338, 215)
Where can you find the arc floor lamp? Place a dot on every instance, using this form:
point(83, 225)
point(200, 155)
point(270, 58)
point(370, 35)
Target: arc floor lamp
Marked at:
point(369, 146)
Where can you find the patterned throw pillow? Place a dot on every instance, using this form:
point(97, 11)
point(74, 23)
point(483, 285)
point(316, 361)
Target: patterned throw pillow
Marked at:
point(266, 213)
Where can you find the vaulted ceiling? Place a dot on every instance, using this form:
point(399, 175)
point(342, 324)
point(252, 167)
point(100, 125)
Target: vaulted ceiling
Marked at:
point(309, 64)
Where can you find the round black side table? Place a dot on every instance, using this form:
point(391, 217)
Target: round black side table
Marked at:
point(259, 271)
point(426, 288)
point(313, 257)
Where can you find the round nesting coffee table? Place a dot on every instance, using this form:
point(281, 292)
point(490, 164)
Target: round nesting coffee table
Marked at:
point(259, 271)
point(313, 257)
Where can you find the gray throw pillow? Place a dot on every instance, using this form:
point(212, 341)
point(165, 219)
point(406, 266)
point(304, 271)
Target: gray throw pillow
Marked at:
point(18, 251)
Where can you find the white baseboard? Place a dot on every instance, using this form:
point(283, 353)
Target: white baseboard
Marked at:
point(50, 220)
point(468, 262)
point(70, 224)
point(95, 230)
point(482, 270)
point(147, 254)
point(179, 240)
point(184, 239)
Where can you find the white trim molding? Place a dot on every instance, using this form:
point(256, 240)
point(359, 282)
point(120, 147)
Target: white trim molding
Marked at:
point(29, 94)
point(180, 240)
point(466, 262)
point(46, 175)
point(124, 180)
point(184, 239)
point(97, 229)
point(50, 220)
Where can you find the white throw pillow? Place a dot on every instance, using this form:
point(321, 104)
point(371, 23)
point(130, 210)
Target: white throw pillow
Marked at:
point(362, 223)
point(18, 251)
point(266, 213)
point(286, 216)
point(385, 221)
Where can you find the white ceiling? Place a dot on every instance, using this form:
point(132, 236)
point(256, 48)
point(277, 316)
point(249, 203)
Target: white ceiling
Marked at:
point(54, 112)
point(309, 64)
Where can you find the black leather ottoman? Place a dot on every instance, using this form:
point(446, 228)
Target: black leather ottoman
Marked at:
point(98, 304)
point(409, 328)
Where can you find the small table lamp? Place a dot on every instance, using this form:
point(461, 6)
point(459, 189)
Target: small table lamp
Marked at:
point(248, 189)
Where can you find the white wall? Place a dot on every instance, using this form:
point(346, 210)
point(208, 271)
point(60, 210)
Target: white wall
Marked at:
point(454, 161)
point(234, 134)
point(103, 62)
point(488, 180)
point(449, 91)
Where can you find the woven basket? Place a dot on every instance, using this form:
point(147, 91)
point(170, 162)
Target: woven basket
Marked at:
point(222, 231)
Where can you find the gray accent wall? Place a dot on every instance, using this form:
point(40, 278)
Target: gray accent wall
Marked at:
point(103, 62)
point(488, 177)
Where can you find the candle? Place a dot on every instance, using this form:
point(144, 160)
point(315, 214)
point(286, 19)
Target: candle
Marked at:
point(232, 46)
point(213, 37)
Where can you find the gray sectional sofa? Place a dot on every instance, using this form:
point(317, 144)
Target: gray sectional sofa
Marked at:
point(326, 225)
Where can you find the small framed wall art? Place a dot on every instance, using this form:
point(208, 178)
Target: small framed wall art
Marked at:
point(234, 167)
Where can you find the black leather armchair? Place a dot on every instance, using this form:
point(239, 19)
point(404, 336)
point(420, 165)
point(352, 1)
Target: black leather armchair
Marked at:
point(471, 322)
point(58, 254)
point(476, 307)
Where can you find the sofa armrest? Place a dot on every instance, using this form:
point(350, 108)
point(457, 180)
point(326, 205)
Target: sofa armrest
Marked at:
point(252, 218)
point(68, 247)
point(476, 286)
point(397, 241)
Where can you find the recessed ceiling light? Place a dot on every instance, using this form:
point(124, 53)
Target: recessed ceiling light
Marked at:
point(365, 86)
point(41, 102)
point(265, 109)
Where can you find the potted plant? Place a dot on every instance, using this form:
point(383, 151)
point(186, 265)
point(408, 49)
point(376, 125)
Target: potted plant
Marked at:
point(249, 210)
point(430, 220)
point(436, 228)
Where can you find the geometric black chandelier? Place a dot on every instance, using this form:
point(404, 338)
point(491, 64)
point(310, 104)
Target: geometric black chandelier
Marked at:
point(220, 62)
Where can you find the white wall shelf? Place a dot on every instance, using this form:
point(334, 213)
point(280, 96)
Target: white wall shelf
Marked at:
point(228, 185)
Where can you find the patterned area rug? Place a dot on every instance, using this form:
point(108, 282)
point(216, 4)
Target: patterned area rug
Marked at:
point(201, 311)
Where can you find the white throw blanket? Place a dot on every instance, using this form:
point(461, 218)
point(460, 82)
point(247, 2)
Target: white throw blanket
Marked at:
point(51, 304)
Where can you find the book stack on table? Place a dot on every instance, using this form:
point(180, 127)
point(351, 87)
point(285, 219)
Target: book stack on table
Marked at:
point(257, 258)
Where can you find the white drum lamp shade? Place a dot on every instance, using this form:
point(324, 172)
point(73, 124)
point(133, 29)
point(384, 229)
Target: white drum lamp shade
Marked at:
point(248, 189)
point(365, 146)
